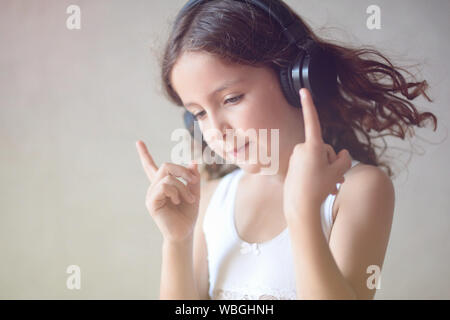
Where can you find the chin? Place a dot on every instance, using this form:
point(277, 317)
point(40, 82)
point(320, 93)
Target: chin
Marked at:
point(250, 168)
point(254, 166)
point(258, 168)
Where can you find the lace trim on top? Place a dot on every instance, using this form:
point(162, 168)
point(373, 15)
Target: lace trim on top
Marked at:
point(244, 294)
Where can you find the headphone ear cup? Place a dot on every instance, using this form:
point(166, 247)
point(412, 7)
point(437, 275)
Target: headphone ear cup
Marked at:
point(288, 90)
point(191, 124)
point(188, 119)
point(320, 74)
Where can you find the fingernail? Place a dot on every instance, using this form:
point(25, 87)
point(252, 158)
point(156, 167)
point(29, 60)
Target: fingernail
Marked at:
point(302, 93)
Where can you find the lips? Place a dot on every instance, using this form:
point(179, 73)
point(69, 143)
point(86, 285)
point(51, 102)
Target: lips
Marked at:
point(236, 150)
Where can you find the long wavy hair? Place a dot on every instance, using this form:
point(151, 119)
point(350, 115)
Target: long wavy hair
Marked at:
point(369, 85)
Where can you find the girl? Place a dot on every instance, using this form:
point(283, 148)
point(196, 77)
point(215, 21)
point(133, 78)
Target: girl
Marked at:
point(320, 226)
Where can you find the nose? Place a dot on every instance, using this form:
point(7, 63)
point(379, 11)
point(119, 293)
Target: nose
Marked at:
point(220, 125)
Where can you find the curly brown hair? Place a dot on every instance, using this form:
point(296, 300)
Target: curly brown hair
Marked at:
point(239, 32)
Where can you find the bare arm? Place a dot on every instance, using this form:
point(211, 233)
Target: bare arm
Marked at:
point(184, 272)
point(177, 273)
point(358, 240)
point(174, 206)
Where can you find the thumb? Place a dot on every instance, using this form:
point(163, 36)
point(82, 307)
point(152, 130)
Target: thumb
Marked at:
point(342, 163)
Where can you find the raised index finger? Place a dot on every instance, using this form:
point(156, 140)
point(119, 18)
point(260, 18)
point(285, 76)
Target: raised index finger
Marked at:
point(148, 164)
point(313, 131)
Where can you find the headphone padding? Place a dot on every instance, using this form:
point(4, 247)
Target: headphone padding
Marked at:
point(287, 89)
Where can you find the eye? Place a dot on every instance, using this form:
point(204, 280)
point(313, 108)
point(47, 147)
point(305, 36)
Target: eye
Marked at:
point(234, 99)
point(198, 115)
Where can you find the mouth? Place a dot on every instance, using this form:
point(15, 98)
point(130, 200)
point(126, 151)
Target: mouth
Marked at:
point(235, 151)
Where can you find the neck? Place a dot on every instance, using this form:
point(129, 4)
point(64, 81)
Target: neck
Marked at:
point(273, 178)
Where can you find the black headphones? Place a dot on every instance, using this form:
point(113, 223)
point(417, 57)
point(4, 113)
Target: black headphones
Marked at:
point(313, 68)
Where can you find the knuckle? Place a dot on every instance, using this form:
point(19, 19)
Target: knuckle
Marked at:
point(316, 145)
point(164, 166)
point(171, 180)
point(347, 154)
point(165, 186)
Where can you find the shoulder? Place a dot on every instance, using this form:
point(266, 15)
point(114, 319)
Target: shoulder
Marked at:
point(364, 178)
point(367, 185)
point(361, 232)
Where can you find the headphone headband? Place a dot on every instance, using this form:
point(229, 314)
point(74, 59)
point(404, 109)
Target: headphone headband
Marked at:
point(313, 68)
point(292, 29)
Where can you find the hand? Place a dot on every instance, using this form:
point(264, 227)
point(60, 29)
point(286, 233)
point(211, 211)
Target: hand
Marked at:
point(314, 168)
point(168, 200)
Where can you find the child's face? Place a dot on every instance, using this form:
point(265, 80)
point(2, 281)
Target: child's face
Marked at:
point(257, 102)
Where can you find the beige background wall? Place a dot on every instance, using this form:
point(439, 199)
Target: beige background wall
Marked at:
point(73, 103)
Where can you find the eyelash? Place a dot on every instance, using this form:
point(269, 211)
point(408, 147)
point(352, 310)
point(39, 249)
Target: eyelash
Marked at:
point(238, 98)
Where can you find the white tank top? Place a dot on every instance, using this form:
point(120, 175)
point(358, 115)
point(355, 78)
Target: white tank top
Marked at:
point(242, 270)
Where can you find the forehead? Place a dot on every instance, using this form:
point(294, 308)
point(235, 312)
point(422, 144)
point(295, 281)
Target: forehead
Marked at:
point(200, 72)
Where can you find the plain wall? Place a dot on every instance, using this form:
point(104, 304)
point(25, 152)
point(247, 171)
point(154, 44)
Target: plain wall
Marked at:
point(73, 103)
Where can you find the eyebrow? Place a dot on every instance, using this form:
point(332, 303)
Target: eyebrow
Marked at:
point(224, 86)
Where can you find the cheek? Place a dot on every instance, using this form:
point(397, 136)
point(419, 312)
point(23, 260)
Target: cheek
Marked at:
point(263, 116)
point(277, 136)
point(266, 112)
